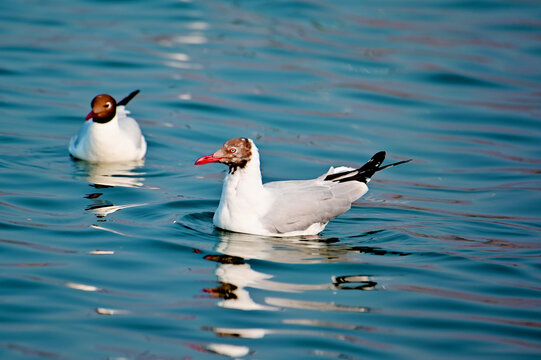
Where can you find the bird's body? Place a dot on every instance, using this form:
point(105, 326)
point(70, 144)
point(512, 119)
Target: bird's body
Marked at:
point(113, 137)
point(283, 208)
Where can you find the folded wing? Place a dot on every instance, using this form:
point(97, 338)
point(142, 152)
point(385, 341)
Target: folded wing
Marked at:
point(300, 204)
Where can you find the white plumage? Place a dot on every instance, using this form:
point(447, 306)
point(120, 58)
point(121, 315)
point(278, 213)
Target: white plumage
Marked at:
point(114, 139)
point(283, 208)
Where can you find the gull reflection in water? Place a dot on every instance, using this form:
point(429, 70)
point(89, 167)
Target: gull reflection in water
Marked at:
point(236, 275)
point(108, 175)
point(111, 174)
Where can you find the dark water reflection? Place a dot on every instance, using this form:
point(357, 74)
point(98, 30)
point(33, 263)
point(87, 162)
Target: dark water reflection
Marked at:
point(440, 259)
point(235, 273)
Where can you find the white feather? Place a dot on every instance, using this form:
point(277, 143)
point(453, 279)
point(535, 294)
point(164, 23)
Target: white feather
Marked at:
point(282, 208)
point(117, 140)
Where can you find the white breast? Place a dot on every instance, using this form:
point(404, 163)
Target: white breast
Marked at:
point(115, 141)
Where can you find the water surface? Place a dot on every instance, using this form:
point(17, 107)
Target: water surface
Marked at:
point(439, 260)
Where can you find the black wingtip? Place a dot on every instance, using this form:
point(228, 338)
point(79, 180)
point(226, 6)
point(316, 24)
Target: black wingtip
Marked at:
point(361, 174)
point(365, 172)
point(376, 159)
point(394, 164)
point(127, 99)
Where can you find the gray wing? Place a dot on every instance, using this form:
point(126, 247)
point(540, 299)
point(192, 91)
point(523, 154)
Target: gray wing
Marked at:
point(299, 204)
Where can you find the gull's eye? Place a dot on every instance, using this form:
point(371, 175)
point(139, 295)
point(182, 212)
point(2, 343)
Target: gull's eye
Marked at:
point(108, 105)
point(233, 150)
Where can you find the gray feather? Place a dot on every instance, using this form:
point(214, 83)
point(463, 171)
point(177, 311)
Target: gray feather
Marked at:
point(303, 203)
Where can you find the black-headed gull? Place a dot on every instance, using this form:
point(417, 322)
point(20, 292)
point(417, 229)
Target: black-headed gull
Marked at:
point(283, 208)
point(111, 136)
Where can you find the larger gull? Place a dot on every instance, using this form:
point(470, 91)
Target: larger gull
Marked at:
point(283, 208)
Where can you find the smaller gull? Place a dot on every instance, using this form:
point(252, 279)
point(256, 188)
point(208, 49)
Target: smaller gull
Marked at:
point(111, 136)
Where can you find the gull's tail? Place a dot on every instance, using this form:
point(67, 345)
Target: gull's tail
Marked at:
point(365, 172)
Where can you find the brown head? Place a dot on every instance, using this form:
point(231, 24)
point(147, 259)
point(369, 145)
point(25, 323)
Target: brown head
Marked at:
point(235, 153)
point(103, 109)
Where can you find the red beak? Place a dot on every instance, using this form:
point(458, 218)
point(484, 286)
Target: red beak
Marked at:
point(90, 115)
point(207, 159)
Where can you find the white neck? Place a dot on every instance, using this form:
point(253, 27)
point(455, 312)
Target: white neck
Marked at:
point(243, 197)
point(247, 177)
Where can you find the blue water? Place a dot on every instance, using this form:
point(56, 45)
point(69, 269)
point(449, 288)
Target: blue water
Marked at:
point(441, 259)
